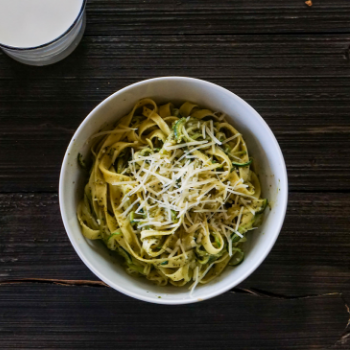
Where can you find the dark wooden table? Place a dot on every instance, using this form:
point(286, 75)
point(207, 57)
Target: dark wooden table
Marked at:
point(289, 61)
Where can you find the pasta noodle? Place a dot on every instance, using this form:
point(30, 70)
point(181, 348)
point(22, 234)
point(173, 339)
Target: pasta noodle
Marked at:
point(173, 192)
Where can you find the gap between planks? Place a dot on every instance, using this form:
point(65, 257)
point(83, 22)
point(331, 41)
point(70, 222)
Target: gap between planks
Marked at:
point(88, 283)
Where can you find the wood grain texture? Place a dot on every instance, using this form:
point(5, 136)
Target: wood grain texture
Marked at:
point(55, 317)
point(299, 84)
point(291, 62)
point(217, 17)
point(310, 257)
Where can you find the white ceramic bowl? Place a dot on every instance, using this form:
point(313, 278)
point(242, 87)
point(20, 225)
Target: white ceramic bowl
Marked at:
point(261, 143)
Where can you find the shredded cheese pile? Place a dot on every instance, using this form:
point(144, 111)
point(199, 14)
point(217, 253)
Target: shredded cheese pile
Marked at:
point(172, 191)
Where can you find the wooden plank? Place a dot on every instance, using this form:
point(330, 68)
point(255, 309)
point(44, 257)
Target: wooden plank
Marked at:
point(299, 84)
point(317, 158)
point(55, 317)
point(310, 256)
point(107, 17)
point(128, 57)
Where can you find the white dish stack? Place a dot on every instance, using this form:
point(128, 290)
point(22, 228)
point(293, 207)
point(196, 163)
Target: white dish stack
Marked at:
point(41, 32)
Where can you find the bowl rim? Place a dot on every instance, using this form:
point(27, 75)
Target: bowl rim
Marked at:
point(283, 200)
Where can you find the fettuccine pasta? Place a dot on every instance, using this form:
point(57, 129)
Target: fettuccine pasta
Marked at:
point(173, 192)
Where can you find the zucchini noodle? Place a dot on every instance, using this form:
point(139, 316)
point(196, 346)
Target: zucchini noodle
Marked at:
point(173, 192)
